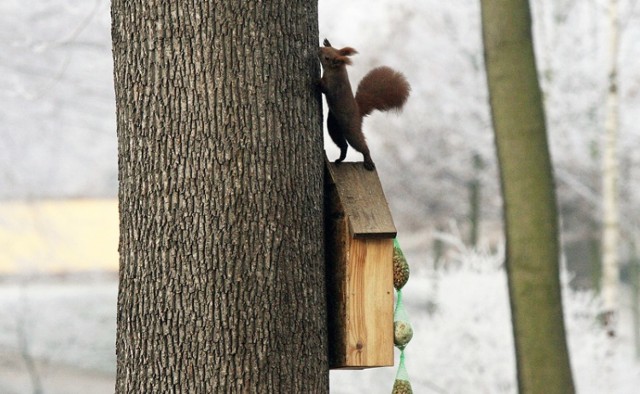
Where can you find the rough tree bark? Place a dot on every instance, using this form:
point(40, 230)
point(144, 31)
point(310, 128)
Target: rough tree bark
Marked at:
point(529, 198)
point(221, 181)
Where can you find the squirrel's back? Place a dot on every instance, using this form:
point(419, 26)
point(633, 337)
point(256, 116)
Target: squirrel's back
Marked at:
point(383, 89)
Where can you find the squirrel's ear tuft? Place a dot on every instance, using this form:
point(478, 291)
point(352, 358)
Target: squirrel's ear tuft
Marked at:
point(347, 51)
point(326, 43)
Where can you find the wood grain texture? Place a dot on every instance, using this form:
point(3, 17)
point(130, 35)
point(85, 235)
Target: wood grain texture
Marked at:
point(363, 199)
point(369, 303)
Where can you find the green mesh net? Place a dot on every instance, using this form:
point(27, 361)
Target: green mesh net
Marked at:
point(402, 330)
point(400, 267)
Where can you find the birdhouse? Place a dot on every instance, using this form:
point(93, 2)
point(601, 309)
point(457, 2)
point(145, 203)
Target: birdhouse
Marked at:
point(359, 251)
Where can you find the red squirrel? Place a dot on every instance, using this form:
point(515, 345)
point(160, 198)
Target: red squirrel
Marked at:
point(382, 88)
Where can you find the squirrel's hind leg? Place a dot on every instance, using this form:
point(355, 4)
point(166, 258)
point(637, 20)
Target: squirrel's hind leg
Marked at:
point(357, 141)
point(368, 163)
point(343, 153)
point(337, 136)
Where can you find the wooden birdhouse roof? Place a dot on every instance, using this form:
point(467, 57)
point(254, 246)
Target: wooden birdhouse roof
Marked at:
point(362, 199)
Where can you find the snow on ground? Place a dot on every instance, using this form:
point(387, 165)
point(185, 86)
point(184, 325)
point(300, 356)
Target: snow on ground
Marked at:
point(67, 327)
point(54, 378)
point(462, 337)
point(463, 342)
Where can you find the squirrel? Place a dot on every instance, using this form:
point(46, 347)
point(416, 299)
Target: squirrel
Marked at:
point(382, 88)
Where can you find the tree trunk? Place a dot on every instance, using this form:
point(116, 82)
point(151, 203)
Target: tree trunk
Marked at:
point(634, 278)
point(529, 199)
point(475, 199)
point(610, 215)
point(221, 182)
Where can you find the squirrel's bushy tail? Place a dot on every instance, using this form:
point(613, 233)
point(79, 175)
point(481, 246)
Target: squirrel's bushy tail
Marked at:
point(383, 89)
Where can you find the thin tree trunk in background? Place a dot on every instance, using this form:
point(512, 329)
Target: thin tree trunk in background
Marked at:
point(610, 214)
point(635, 293)
point(475, 199)
point(221, 182)
point(530, 210)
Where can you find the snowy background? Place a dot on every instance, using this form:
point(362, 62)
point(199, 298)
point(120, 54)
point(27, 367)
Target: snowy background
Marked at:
point(57, 112)
point(57, 141)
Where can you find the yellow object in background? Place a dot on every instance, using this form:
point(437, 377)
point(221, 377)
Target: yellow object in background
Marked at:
point(57, 236)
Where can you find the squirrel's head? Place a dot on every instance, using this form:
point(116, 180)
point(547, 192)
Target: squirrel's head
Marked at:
point(331, 57)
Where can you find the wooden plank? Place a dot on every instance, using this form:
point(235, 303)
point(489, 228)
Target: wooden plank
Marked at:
point(369, 303)
point(363, 200)
point(336, 249)
point(359, 289)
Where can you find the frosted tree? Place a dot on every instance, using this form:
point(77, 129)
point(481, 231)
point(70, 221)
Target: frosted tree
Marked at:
point(610, 201)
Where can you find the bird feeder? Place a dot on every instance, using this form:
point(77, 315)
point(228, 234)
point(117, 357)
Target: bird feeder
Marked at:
point(359, 251)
